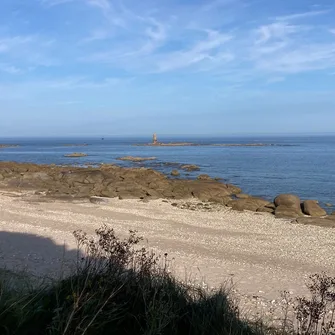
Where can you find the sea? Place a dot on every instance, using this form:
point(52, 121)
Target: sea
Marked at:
point(303, 165)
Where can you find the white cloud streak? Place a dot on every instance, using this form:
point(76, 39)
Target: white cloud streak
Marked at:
point(306, 58)
point(10, 69)
point(201, 51)
point(302, 16)
point(20, 54)
point(9, 43)
point(275, 31)
point(51, 3)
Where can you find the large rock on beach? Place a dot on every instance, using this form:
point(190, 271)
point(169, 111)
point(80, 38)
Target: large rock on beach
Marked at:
point(284, 212)
point(312, 208)
point(288, 200)
point(288, 206)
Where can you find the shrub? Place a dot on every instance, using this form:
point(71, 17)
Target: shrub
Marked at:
point(315, 315)
point(118, 288)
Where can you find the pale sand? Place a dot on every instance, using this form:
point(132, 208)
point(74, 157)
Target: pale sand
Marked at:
point(262, 255)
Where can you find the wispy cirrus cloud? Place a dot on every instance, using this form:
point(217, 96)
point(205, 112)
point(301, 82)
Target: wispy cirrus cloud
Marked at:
point(207, 49)
point(138, 39)
point(9, 43)
point(306, 58)
point(302, 16)
point(157, 41)
point(275, 31)
point(105, 5)
point(10, 69)
point(51, 3)
point(25, 52)
point(286, 48)
point(108, 10)
point(73, 83)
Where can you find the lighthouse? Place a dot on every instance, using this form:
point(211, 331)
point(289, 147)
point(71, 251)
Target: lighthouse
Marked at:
point(154, 139)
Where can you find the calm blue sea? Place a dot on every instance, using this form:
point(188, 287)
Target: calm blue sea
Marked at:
point(301, 165)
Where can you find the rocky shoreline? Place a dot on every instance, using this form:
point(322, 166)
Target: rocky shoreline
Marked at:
point(141, 183)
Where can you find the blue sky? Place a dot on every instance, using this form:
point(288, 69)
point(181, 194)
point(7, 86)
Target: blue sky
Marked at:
point(113, 67)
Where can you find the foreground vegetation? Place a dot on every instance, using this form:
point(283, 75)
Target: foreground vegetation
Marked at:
point(120, 288)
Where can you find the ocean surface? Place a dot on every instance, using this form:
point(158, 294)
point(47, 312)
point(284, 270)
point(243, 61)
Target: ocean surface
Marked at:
point(300, 165)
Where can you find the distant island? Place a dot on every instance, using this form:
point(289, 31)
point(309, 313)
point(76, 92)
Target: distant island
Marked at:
point(8, 146)
point(186, 144)
point(76, 145)
point(155, 143)
point(76, 154)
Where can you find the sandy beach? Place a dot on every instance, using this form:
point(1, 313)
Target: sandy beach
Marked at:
point(259, 254)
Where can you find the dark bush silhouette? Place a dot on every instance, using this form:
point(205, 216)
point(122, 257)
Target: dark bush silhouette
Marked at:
point(118, 288)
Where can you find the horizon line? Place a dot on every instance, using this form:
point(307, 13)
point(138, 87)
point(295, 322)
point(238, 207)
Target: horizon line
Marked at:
point(172, 135)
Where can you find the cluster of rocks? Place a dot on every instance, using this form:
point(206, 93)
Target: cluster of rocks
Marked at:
point(198, 206)
point(287, 206)
point(109, 181)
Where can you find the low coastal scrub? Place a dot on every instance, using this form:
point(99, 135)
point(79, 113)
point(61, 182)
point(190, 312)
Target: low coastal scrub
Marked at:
point(121, 288)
